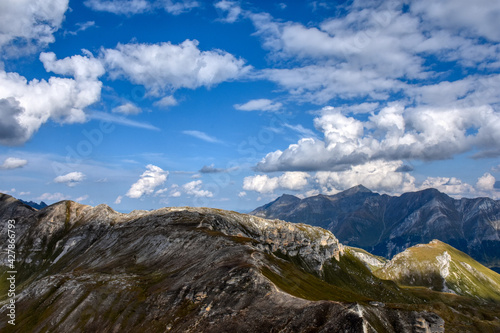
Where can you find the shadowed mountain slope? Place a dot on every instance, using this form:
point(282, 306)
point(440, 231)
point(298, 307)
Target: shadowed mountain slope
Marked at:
point(386, 225)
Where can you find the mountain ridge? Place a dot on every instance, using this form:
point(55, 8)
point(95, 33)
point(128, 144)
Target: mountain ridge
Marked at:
point(185, 269)
point(385, 225)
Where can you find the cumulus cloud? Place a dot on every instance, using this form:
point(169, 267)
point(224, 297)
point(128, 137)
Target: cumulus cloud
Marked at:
point(82, 68)
point(167, 66)
point(151, 178)
point(13, 163)
point(11, 131)
point(71, 179)
point(260, 183)
point(264, 184)
point(378, 176)
point(195, 188)
point(394, 133)
point(32, 22)
point(486, 182)
point(449, 185)
point(259, 105)
point(25, 106)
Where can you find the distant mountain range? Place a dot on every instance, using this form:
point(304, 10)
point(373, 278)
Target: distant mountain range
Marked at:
point(34, 204)
point(91, 269)
point(386, 225)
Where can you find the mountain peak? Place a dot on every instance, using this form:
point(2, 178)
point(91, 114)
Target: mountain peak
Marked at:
point(359, 188)
point(354, 190)
point(287, 198)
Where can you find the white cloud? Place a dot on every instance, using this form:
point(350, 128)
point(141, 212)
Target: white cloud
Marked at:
point(122, 120)
point(53, 197)
point(478, 18)
point(259, 105)
point(82, 68)
point(70, 179)
point(174, 191)
point(82, 198)
point(449, 185)
point(376, 47)
point(13, 163)
point(304, 132)
point(392, 134)
point(231, 8)
point(25, 106)
point(131, 7)
point(202, 136)
point(175, 194)
point(161, 191)
point(166, 66)
point(118, 200)
point(33, 22)
point(264, 184)
point(486, 183)
point(120, 7)
point(293, 180)
point(151, 178)
point(179, 7)
point(166, 102)
point(319, 84)
point(127, 108)
point(377, 175)
point(242, 194)
point(260, 183)
point(81, 27)
point(195, 188)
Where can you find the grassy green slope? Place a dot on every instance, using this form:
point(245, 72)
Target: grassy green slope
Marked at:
point(351, 280)
point(442, 268)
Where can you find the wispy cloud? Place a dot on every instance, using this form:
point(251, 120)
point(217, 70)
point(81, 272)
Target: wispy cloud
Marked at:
point(202, 136)
point(81, 27)
point(262, 104)
point(304, 132)
point(212, 169)
point(122, 120)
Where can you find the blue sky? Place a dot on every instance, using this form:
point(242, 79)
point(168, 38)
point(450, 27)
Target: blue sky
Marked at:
point(141, 104)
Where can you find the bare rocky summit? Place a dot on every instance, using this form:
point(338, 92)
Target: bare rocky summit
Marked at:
point(91, 269)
